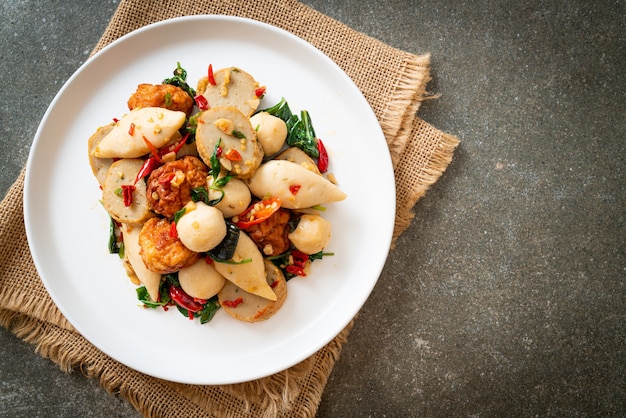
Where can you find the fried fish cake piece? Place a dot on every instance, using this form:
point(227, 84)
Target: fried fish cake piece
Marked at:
point(160, 251)
point(271, 235)
point(161, 95)
point(169, 186)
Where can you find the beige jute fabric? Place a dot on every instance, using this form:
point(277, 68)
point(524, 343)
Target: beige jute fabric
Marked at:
point(394, 83)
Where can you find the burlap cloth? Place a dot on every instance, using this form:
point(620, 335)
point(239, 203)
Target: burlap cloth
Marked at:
point(393, 82)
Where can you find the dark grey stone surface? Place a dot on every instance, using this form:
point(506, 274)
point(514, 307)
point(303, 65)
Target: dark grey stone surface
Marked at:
point(507, 295)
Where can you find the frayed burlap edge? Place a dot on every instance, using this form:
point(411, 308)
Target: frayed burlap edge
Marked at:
point(273, 396)
point(404, 103)
point(417, 180)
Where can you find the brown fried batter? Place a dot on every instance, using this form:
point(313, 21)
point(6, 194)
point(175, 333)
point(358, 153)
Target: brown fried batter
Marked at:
point(161, 252)
point(270, 236)
point(161, 95)
point(169, 186)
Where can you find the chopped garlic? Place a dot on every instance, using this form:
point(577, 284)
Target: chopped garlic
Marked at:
point(225, 125)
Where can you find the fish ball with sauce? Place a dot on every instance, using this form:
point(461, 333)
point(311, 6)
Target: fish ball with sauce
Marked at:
point(311, 235)
point(201, 280)
point(271, 132)
point(201, 228)
point(237, 197)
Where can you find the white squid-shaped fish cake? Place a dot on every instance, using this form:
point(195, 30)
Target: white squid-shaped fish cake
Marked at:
point(126, 139)
point(249, 276)
point(281, 178)
point(148, 278)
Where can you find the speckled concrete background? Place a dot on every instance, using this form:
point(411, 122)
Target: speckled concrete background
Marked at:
point(506, 296)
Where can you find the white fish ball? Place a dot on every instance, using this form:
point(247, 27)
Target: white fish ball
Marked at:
point(201, 228)
point(271, 132)
point(311, 235)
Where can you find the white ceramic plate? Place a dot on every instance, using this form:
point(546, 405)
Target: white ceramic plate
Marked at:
point(67, 228)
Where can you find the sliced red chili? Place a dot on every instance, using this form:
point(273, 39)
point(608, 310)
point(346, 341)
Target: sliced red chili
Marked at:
point(127, 194)
point(153, 150)
point(149, 165)
point(152, 163)
point(260, 92)
point(202, 102)
point(183, 300)
point(294, 189)
point(174, 147)
point(258, 212)
point(233, 303)
point(298, 271)
point(322, 161)
point(211, 77)
point(168, 177)
point(131, 129)
point(233, 155)
point(173, 231)
point(299, 258)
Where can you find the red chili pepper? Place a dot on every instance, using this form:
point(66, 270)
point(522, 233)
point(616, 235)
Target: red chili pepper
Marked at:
point(260, 92)
point(322, 161)
point(208, 260)
point(298, 271)
point(127, 193)
point(294, 189)
point(211, 76)
point(148, 167)
point(202, 102)
point(131, 129)
point(152, 163)
point(153, 150)
point(233, 155)
point(183, 300)
point(258, 212)
point(116, 120)
point(233, 303)
point(167, 178)
point(174, 147)
point(299, 258)
point(173, 231)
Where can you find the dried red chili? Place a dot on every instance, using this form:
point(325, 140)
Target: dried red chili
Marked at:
point(258, 212)
point(294, 189)
point(153, 150)
point(148, 167)
point(233, 303)
point(202, 102)
point(127, 194)
point(173, 231)
point(260, 92)
point(322, 161)
point(298, 271)
point(183, 300)
point(211, 77)
point(233, 155)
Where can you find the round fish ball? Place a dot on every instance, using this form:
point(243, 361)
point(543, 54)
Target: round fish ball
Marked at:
point(311, 235)
point(201, 280)
point(271, 132)
point(201, 228)
point(236, 198)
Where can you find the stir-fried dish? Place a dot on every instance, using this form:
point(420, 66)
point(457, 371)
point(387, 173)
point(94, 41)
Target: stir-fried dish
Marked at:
point(215, 201)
